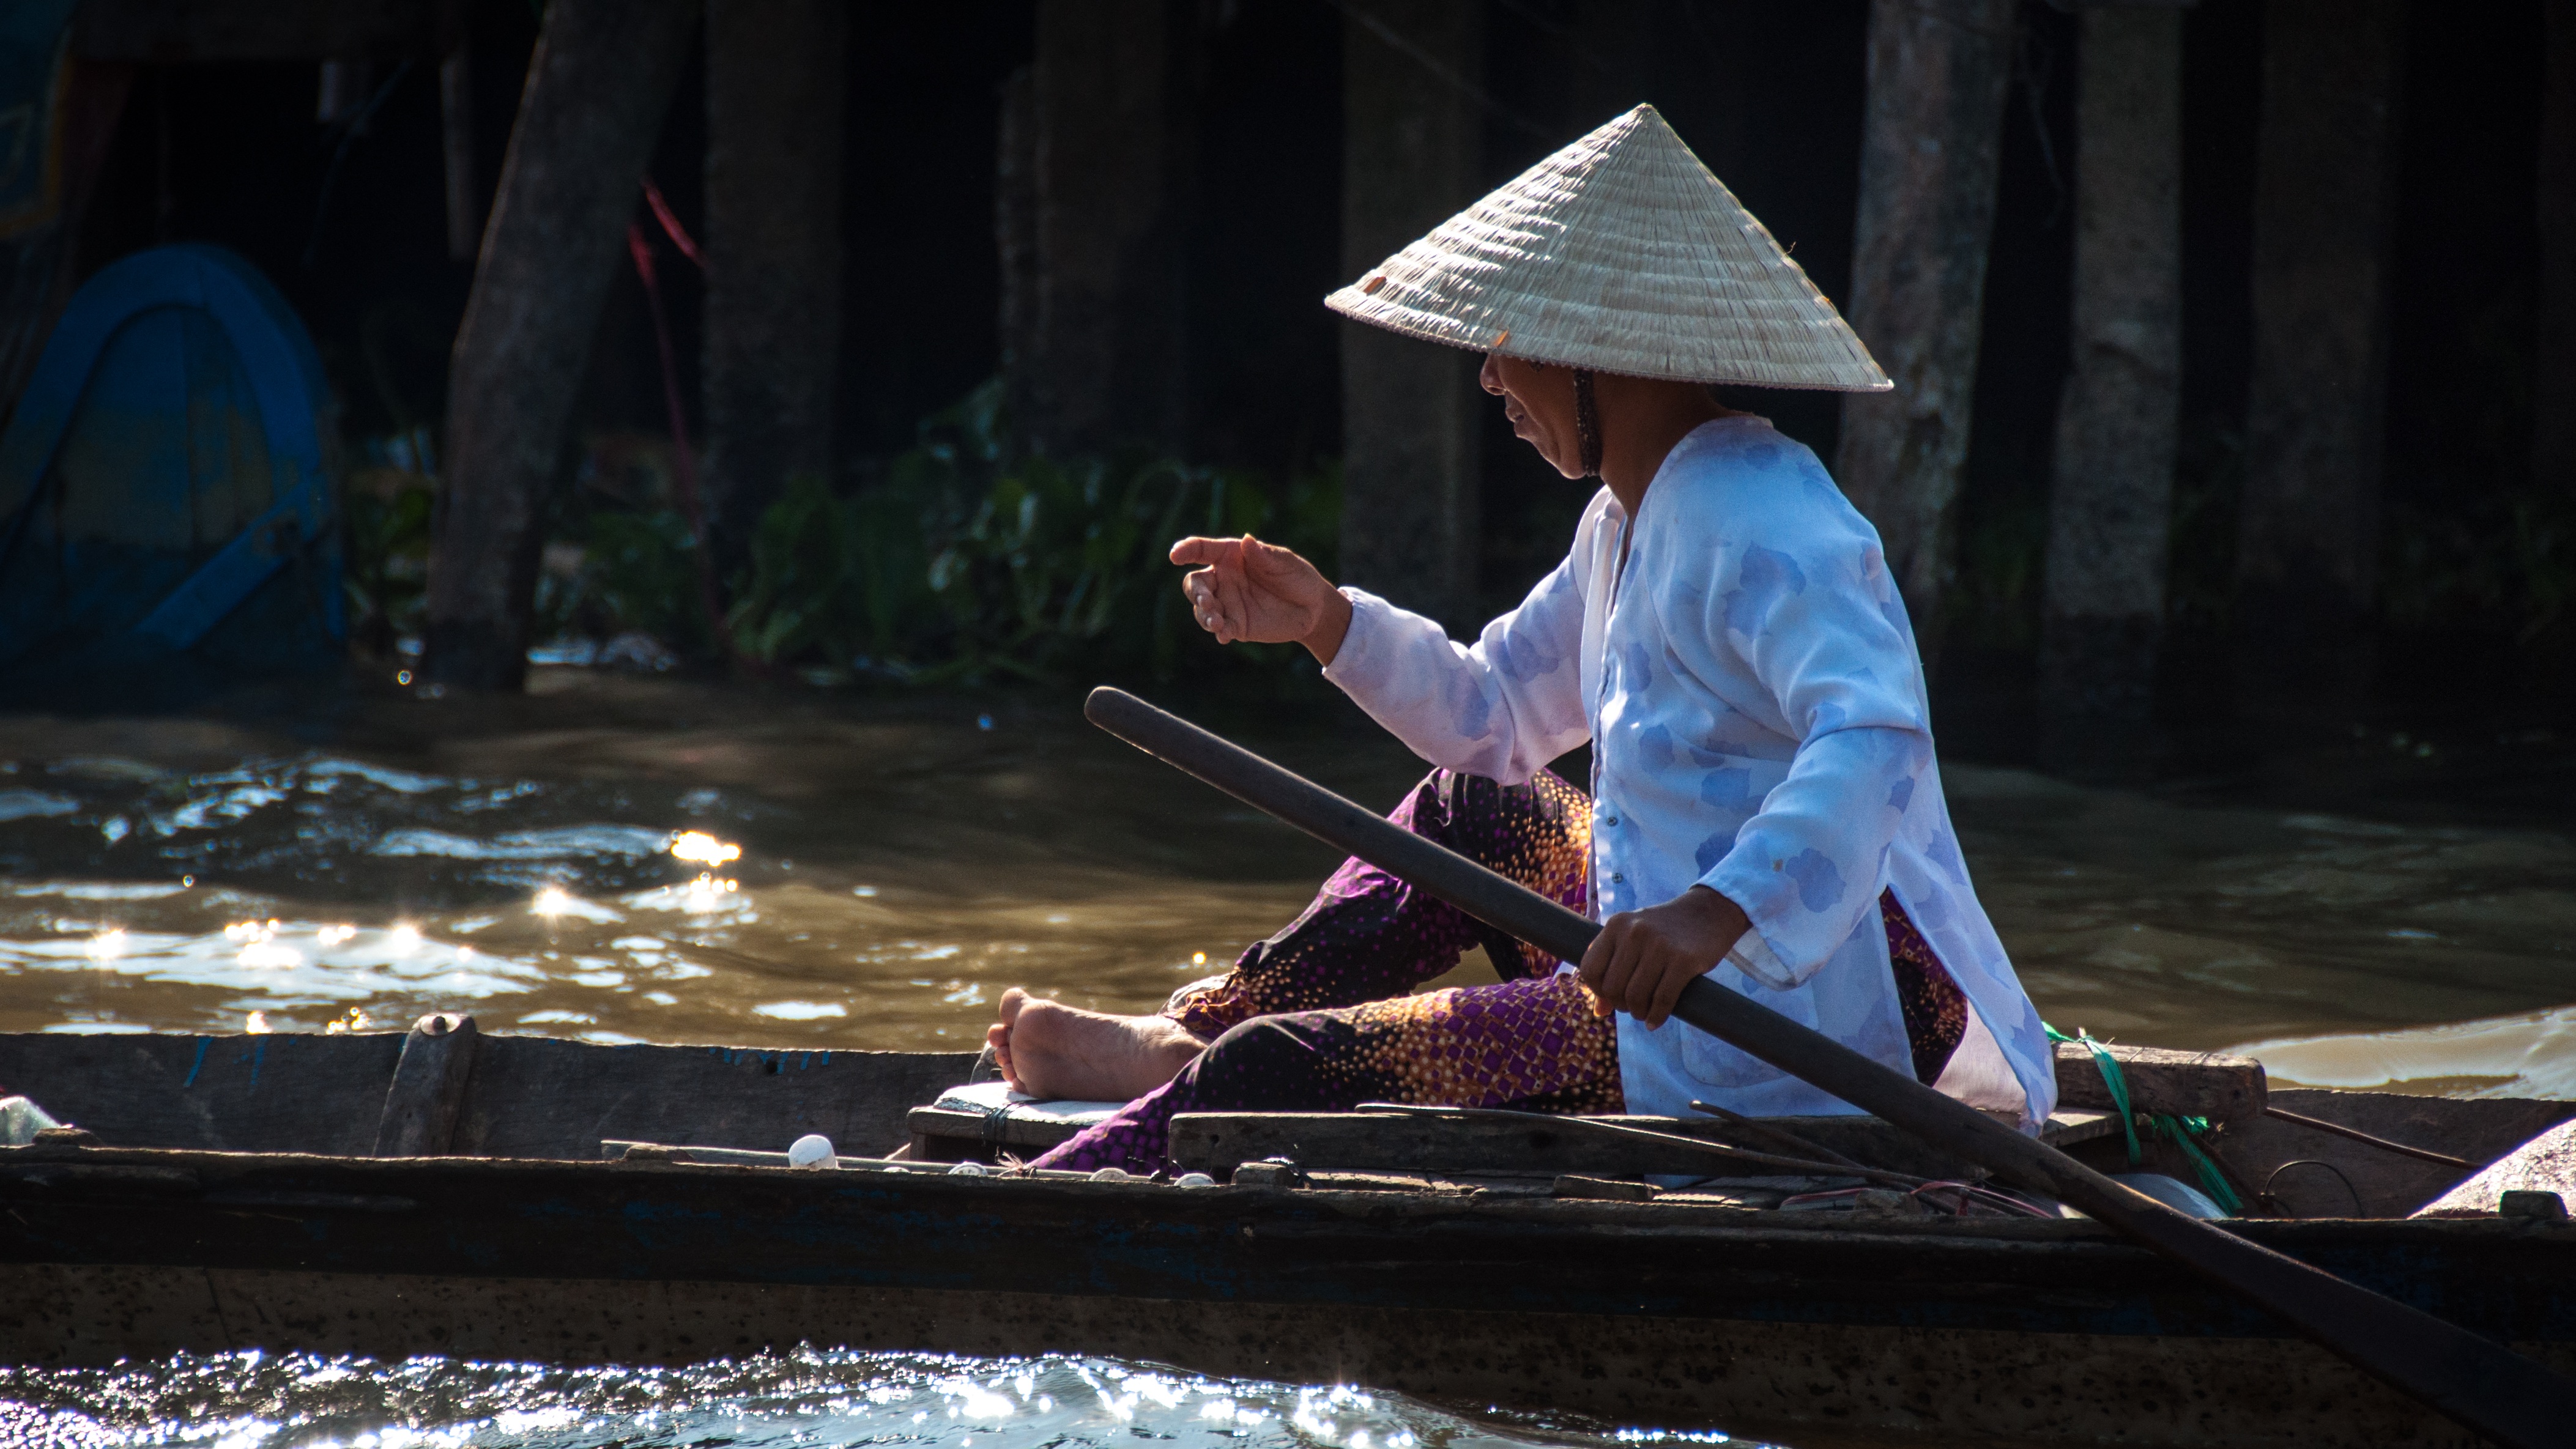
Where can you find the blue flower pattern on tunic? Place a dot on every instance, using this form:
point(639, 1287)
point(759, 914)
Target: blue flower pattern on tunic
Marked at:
point(1759, 726)
point(1768, 578)
point(1820, 885)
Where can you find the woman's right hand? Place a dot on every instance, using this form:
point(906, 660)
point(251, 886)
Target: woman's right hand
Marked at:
point(1244, 590)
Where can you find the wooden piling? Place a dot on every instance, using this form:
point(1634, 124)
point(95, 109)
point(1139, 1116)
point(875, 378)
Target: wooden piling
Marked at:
point(1931, 145)
point(1111, 91)
point(456, 153)
point(2111, 494)
point(598, 85)
point(2553, 451)
point(2308, 514)
point(1411, 411)
point(775, 73)
point(1015, 240)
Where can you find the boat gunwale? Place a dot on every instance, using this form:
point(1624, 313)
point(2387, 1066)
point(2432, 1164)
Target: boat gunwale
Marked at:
point(1324, 1206)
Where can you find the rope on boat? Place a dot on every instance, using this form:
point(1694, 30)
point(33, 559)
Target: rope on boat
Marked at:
point(2182, 1132)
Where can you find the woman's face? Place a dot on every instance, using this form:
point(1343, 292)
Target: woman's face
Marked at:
point(1539, 401)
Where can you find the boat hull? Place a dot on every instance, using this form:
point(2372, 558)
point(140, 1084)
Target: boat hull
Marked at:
point(1855, 1382)
point(1778, 1324)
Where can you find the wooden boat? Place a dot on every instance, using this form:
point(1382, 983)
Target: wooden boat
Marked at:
point(273, 1191)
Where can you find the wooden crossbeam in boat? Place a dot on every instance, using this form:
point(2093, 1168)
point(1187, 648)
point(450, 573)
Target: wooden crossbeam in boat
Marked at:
point(2186, 1084)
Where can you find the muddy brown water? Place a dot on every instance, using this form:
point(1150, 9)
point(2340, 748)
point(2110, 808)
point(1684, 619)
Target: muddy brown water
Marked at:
point(901, 863)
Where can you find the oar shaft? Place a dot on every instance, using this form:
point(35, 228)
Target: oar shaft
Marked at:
point(2482, 1385)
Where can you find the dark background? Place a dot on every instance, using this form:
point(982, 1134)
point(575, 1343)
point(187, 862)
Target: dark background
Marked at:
point(351, 228)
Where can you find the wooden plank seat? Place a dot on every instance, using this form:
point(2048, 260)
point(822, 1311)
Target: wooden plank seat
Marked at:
point(981, 1121)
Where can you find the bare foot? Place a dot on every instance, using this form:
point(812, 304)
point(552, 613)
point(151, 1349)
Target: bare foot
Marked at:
point(1059, 1053)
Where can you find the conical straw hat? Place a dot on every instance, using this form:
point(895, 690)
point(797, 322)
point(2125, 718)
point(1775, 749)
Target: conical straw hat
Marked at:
point(1620, 253)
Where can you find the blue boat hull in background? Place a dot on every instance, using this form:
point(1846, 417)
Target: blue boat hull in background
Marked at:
point(169, 520)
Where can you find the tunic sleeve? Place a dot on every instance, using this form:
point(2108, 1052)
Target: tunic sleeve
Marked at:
point(1501, 708)
point(1807, 605)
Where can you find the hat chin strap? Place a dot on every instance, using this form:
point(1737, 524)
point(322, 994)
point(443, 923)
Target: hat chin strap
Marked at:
point(1587, 423)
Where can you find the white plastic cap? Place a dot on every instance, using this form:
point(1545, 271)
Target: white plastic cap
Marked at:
point(811, 1150)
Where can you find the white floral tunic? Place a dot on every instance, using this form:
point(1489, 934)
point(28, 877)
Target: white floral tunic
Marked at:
point(1760, 726)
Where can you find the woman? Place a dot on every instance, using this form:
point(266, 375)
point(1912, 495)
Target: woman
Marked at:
point(1765, 804)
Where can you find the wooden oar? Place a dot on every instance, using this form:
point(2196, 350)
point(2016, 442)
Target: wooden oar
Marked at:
point(2473, 1380)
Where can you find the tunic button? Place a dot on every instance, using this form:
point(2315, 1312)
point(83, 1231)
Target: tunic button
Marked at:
point(1617, 879)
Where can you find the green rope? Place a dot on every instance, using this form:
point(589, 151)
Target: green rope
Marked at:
point(2112, 1077)
point(2183, 1132)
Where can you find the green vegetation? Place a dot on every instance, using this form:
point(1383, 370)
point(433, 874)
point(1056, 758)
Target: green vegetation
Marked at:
point(2506, 565)
point(963, 562)
point(966, 562)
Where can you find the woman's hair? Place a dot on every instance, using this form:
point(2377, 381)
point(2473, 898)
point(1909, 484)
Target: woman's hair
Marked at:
point(1587, 420)
point(1587, 423)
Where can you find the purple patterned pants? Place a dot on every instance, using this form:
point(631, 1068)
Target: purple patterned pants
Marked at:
point(1318, 1018)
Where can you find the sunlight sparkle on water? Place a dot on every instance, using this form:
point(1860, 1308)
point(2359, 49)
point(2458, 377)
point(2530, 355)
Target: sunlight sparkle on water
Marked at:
point(554, 903)
point(254, 1401)
point(698, 847)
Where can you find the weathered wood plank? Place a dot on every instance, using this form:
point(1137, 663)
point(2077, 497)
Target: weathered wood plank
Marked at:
point(280, 1092)
point(1218, 1142)
point(2387, 1185)
point(945, 1135)
point(2187, 1084)
point(953, 1135)
point(663, 1262)
point(526, 1096)
point(542, 1097)
point(428, 1090)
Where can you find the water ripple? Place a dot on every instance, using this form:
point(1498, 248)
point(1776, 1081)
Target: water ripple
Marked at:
point(255, 1401)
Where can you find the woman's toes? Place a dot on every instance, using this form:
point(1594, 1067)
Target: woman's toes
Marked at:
point(999, 1039)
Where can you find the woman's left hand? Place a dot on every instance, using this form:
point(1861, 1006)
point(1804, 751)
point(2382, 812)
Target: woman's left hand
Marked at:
point(1642, 959)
